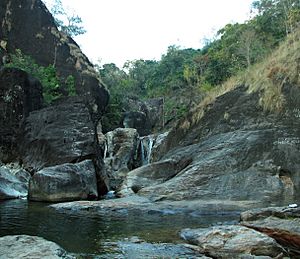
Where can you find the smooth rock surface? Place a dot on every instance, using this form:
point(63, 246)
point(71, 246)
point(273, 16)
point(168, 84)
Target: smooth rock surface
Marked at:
point(238, 152)
point(13, 185)
point(61, 133)
point(64, 183)
point(33, 247)
point(232, 242)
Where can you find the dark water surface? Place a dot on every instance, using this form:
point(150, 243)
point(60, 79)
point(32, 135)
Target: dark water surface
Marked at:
point(91, 235)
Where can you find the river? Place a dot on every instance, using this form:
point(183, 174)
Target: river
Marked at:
point(93, 236)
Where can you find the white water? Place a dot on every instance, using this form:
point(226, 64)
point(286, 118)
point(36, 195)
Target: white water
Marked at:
point(146, 143)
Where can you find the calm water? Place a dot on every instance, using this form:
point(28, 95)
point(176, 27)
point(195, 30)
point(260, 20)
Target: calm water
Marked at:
point(88, 234)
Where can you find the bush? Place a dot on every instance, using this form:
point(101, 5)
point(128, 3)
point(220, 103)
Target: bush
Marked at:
point(46, 75)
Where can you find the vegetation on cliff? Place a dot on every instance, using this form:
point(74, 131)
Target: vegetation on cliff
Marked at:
point(185, 76)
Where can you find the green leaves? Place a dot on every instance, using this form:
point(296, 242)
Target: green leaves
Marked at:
point(46, 75)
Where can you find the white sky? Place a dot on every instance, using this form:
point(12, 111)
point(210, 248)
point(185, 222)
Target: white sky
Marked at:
point(121, 30)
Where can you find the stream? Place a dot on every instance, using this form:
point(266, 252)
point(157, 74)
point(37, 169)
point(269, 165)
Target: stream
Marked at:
point(89, 235)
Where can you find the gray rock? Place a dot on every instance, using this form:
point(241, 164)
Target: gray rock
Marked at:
point(58, 134)
point(232, 242)
point(151, 175)
point(64, 183)
point(30, 27)
point(19, 95)
point(280, 223)
point(24, 246)
point(13, 186)
point(120, 154)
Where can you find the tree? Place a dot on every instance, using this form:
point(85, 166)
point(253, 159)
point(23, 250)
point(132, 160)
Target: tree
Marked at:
point(66, 21)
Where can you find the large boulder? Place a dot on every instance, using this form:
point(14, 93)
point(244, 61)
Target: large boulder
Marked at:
point(13, 184)
point(29, 26)
point(121, 147)
point(237, 152)
point(64, 183)
point(280, 223)
point(20, 94)
point(232, 242)
point(24, 246)
point(61, 133)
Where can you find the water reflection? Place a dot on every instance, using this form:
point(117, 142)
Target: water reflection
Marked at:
point(88, 233)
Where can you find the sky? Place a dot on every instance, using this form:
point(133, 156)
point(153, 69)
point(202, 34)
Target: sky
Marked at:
point(122, 30)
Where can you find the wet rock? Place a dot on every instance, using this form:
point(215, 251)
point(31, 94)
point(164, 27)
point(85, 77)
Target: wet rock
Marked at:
point(61, 133)
point(13, 185)
point(135, 248)
point(232, 242)
point(120, 154)
point(19, 95)
point(280, 223)
point(24, 246)
point(64, 183)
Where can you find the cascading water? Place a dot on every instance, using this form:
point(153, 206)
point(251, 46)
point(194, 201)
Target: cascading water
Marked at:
point(146, 148)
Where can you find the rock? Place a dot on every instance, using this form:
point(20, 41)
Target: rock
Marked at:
point(61, 133)
point(134, 248)
point(138, 121)
point(151, 175)
point(120, 154)
point(64, 183)
point(24, 246)
point(280, 223)
point(145, 116)
point(232, 242)
point(19, 95)
point(244, 154)
point(29, 26)
point(13, 185)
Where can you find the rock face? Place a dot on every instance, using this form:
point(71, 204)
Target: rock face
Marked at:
point(280, 223)
point(64, 183)
point(120, 154)
point(237, 152)
point(145, 116)
point(232, 242)
point(29, 26)
point(13, 185)
point(30, 247)
point(19, 95)
point(61, 133)
point(151, 175)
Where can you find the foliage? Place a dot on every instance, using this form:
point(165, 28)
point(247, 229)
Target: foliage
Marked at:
point(182, 76)
point(66, 21)
point(46, 75)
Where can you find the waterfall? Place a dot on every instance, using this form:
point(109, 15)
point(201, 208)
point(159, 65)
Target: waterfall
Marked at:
point(146, 148)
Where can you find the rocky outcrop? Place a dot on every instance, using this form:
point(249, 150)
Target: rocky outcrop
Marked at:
point(13, 184)
point(145, 116)
point(24, 246)
point(20, 94)
point(232, 242)
point(237, 152)
point(29, 26)
point(64, 183)
point(151, 175)
point(61, 133)
point(120, 156)
point(280, 223)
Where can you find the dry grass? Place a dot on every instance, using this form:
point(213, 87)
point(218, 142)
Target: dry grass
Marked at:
point(266, 77)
